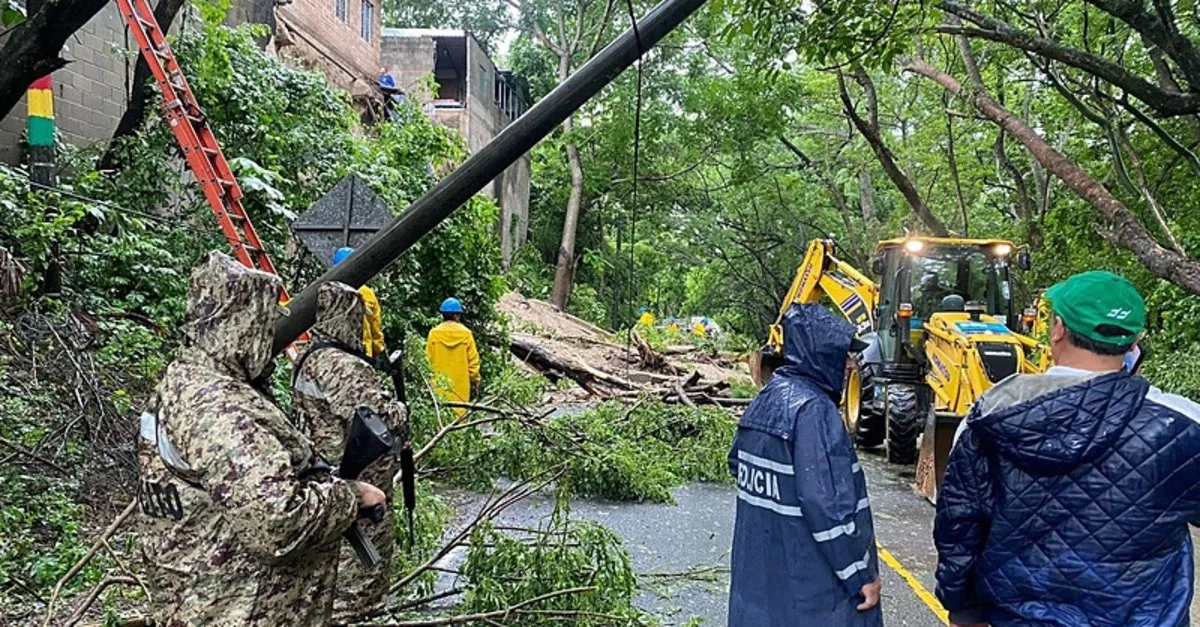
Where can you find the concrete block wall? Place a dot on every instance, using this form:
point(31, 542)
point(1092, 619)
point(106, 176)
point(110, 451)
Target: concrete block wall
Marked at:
point(90, 93)
point(514, 206)
point(410, 60)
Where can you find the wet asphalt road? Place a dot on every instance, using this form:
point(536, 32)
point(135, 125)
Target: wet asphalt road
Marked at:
point(694, 536)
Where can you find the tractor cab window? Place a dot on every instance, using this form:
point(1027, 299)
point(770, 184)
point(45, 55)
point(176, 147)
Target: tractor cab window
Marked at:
point(945, 278)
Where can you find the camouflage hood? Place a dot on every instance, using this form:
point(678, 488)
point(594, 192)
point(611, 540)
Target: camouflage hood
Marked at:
point(340, 313)
point(231, 314)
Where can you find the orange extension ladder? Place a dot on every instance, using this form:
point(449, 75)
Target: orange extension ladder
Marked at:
point(196, 140)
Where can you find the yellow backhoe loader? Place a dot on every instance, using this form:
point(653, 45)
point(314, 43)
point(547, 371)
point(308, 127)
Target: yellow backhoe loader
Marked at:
point(940, 329)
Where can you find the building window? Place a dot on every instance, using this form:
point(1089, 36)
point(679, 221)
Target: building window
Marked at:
point(342, 9)
point(367, 27)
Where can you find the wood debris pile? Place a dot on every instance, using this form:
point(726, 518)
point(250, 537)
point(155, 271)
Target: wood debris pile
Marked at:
point(562, 346)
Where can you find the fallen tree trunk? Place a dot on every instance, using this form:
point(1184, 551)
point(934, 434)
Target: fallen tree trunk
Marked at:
point(527, 349)
point(683, 395)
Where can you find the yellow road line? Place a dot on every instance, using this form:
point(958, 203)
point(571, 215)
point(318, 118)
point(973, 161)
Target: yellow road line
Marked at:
point(928, 599)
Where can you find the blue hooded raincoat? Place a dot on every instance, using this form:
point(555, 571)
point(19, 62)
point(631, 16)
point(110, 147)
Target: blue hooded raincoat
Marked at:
point(803, 544)
point(1066, 503)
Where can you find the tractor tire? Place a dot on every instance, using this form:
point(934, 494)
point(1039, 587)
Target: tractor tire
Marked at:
point(872, 428)
point(906, 413)
point(861, 421)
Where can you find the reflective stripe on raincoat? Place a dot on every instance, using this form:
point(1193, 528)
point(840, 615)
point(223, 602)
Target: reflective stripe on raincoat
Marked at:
point(804, 542)
point(452, 353)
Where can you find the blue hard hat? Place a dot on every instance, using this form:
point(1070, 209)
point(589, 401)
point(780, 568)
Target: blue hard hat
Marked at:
point(642, 310)
point(341, 255)
point(451, 306)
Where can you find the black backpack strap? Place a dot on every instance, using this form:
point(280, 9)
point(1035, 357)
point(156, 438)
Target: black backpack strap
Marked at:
point(322, 345)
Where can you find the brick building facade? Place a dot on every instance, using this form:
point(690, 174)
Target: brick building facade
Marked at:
point(341, 38)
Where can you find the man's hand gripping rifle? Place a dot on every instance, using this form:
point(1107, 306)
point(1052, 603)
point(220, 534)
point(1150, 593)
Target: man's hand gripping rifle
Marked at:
point(368, 440)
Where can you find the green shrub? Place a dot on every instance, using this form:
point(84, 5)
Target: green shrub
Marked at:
point(618, 451)
point(502, 570)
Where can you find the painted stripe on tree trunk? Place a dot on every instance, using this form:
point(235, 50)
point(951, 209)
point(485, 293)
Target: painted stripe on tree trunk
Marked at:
point(41, 103)
point(41, 131)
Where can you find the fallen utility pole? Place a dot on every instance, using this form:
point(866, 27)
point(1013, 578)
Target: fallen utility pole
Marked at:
point(484, 166)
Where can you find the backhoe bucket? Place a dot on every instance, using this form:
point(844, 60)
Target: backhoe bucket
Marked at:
point(762, 365)
point(936, 443)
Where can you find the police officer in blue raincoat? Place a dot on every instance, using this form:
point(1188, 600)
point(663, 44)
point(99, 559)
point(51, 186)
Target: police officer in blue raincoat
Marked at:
point(803, 544)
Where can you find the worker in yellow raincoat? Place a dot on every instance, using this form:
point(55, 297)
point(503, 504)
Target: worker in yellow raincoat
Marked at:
point(452, 353)
point(672, 326)
point(700, 329)
point(645, 317)
point(373, 321)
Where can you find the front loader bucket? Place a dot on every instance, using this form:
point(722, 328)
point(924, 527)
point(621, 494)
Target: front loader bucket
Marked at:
point(936, 443)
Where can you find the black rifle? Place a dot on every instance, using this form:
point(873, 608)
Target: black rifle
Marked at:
point(393, 365)
point(408, 470)
point(369, 439)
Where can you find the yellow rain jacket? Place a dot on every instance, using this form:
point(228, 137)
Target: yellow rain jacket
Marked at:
point(699, 331)
point(372, 323)
point(646, 319)
point(451, 351)
point(673, 328)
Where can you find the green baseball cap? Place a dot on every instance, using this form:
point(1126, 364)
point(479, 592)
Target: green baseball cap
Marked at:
point(1100, 306)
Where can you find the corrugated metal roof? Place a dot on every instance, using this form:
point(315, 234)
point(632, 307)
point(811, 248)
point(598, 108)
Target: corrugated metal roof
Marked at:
point(423, 32)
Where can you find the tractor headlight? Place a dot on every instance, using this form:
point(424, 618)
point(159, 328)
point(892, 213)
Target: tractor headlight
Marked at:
point(1002, 250)
point(914, 246)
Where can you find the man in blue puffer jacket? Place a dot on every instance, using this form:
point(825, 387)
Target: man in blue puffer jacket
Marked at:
point(803, 544)
point(1068, 495)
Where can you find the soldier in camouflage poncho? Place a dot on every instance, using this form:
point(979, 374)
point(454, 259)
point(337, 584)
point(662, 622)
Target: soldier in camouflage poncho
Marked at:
point(232, 532)
point(333, 380)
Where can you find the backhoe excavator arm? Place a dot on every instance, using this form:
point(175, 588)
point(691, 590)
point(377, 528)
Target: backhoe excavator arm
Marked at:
point(823, 274)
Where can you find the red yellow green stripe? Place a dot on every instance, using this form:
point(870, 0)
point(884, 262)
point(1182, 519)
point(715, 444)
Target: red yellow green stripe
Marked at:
point(41, 112)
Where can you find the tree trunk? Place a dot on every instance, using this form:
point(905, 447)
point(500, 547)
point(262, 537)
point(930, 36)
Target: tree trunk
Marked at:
point(1165, 102)
point(564, 269)
point(1123, 228)
point(135, 113)
point(32, 49)
point(952, 159)
point(866, 199)
point(870, 132)
point(853, 239)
